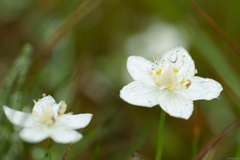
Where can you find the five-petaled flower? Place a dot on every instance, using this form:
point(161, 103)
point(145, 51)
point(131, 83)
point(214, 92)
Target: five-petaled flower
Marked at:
point(48, 120)
point(168, 81)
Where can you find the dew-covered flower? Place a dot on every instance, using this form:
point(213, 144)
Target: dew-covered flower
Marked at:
point(48, 120)
point(168, 81)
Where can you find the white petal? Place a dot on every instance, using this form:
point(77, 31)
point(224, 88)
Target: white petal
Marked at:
point(65, 135)
point(56, 109)
point(62, 107)
point(138, 67)
point(204, 88)
point(137, 93)
point(47, 100)
point(35, 134)
point(175, 104)
point(20, 118)
point(42, 103)
point(75, 121)
point(182, 55)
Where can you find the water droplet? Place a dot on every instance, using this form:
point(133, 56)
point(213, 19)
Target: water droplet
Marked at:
point(174, 58)
point(219, 97)
point(195, 71)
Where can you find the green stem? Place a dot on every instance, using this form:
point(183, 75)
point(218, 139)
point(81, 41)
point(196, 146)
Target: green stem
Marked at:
point(195, 144)
point(160, 136)
point(196, 133)
point(50, 148)
point(238, 150)
point(96, 151)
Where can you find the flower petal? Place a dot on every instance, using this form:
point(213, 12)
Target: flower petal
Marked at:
point(138, 68)
point(137, 93)
point(20, 118)
point(65, 135)
point(182, 61)
point(75, 121)
point(175, 104)
point(42, 103)
point(204, 88)
point(35, 134)
point(56, 109)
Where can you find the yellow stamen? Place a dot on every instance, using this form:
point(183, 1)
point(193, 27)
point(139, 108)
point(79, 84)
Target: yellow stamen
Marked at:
point(169, 88)
point(175, 70)
point(182, 81)
point(159, 72)
point(157, 83)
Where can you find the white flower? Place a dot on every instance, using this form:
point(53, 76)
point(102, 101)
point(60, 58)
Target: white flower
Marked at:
point(169, 82)
point(155, 38)
point(48, 120)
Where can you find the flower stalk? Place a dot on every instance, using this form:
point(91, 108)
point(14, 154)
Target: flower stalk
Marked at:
point(196, 133)
point(49, 148)
point(160, 136)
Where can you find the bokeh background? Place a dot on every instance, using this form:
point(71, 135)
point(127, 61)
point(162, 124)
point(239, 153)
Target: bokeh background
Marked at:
point(87, 69)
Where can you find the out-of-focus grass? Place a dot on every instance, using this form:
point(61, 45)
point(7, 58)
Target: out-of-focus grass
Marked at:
point(10, 145)
point(87, 68)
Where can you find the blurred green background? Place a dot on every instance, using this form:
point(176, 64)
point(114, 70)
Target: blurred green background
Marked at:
point(87, 69)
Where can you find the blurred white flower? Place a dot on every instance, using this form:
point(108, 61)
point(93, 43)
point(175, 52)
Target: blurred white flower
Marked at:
point(48, 120)
point(158, 37)
point(169, 82)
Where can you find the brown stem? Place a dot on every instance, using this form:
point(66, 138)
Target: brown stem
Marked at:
point(234, 46)
point(134, 154)
point(69, 148)
point(233, 126)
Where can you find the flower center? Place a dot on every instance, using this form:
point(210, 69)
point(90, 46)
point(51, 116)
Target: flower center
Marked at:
point(47, 116)
point(169, 77)
point(170, 73)
point(47, 111)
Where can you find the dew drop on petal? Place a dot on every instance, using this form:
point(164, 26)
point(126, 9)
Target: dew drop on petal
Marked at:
point(173, 58)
